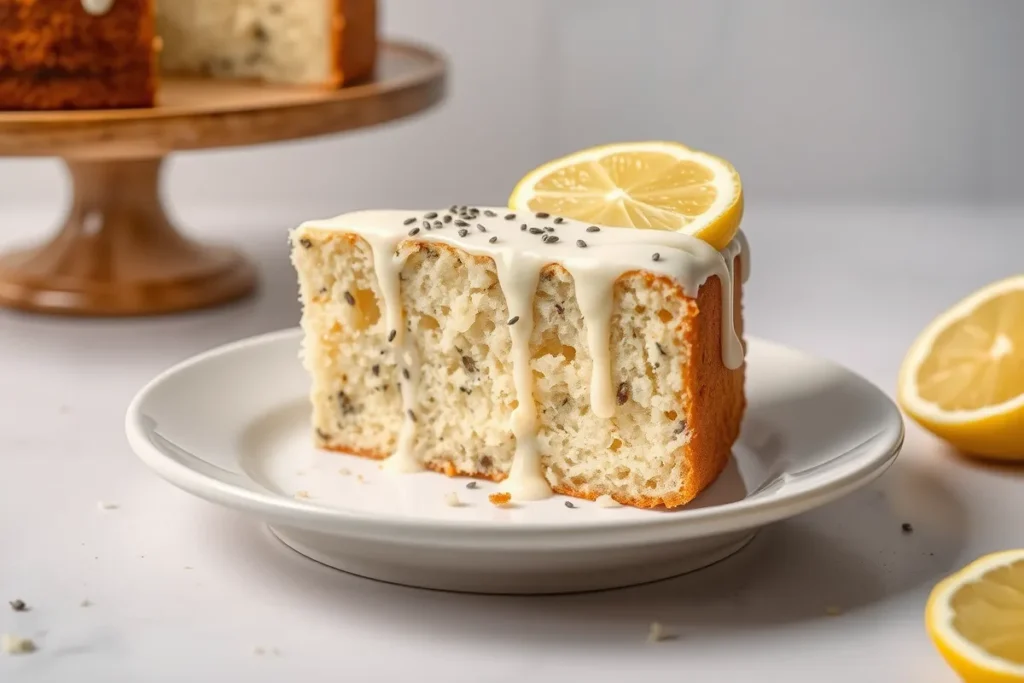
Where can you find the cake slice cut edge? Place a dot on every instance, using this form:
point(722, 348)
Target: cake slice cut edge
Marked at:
point(678, 407)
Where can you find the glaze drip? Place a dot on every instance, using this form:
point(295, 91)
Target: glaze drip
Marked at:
point(387, 264)
point(97, 7)
point(526, 476)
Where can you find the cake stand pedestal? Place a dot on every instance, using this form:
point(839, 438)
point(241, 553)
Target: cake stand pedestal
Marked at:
point(117, 252)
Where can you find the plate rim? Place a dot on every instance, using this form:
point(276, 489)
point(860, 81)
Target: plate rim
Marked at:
point(729, 517)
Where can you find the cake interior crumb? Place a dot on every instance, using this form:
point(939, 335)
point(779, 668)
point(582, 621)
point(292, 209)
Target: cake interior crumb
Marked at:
point(607, 501)
point(451, 499)
point(104, 505)
point(302, 494)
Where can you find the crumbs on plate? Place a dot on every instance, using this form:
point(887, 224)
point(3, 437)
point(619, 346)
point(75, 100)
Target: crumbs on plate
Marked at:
point(16, 645)
point(656, 633)
point(500, 499)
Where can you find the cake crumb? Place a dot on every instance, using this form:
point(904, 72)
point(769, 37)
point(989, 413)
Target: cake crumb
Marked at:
point(345, 472)
point(500, 499)
point(360, 479)
point(104, 505)
point(86, 603)
point(449, 469)
point(657, 633)
point(451, 499)
point(18, 606)
point(16, 645)
point(606, 501)
point(833, 610)
point(302, 494)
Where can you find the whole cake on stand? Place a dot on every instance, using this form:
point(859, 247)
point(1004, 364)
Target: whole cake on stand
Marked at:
point(113, 86)
point(98, 54)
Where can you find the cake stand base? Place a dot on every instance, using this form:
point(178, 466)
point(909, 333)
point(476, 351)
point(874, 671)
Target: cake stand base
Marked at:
point(119, 255)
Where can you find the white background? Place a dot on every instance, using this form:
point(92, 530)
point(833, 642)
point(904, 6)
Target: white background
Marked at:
point(857, 100)
point(881, 137)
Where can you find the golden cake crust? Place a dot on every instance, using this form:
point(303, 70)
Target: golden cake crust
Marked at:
point(716, 395)
point(55, 55)
point(355, 41)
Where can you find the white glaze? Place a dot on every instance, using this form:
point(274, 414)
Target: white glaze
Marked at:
point(519, 275)
point(97, 7)
point(387, 264)
point(519, 257)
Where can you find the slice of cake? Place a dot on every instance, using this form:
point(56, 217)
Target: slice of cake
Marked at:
point(99, 54)
point(542, 352)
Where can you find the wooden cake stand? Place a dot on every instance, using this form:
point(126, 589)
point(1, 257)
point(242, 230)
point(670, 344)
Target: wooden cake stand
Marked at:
point(117, 253)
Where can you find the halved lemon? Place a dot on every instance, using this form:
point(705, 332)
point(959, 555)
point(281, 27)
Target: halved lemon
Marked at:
point(976, 619)
point(963, 378)
point(654, 185)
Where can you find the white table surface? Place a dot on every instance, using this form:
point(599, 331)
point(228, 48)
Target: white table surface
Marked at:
point(182, 590)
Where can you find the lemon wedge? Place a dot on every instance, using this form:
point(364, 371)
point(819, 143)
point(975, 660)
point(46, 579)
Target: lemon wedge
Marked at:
point(652, 185)
point(976, 619)
point(963, 378)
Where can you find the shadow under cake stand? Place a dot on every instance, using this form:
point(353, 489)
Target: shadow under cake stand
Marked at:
point(117, 253)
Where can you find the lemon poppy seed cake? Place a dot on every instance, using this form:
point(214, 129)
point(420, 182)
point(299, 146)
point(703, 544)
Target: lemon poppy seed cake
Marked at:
point(543, 352)
point(106, 54)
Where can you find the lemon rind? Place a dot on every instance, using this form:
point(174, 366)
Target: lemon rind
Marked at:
point(723, 203)
point(940, 613)
point(922, 346)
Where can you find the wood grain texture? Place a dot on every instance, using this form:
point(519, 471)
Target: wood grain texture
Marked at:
point(117, 253)
point(197, 113)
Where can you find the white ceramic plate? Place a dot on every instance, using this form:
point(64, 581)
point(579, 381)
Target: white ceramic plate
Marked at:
point(232, 426)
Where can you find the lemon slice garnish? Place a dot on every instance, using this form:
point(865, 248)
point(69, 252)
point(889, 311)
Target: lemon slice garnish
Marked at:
point(651, 185)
